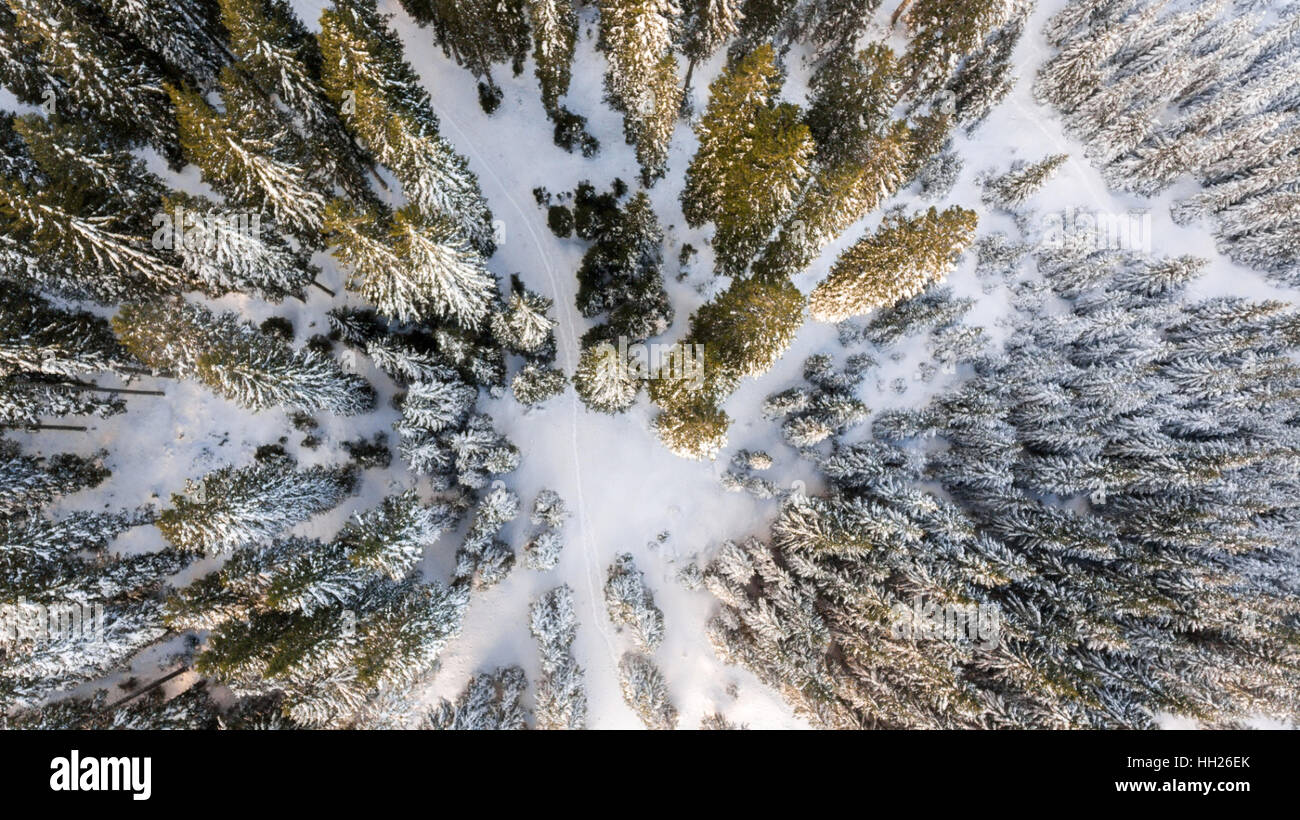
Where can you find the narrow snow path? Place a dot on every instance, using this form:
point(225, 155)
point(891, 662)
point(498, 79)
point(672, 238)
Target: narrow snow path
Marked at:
point(567, 347)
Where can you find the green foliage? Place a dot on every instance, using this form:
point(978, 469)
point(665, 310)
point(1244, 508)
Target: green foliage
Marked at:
point(753, 158)
point(893, 264)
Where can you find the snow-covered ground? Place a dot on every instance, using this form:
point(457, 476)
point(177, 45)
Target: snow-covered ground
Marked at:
point(623, 488)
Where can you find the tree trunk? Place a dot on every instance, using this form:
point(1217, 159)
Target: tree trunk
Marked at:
point(898, 12)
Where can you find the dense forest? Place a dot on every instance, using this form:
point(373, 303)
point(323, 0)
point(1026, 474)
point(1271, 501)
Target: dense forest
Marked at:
point(296, 395)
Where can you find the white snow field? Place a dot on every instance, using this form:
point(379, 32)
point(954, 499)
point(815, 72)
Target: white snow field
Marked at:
point(622, 487)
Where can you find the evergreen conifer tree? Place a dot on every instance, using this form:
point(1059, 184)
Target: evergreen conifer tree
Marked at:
point(231, 507)
point(75, 208)
point(637, 38)
point(753, 158)
point(646, 691)
point(237, 360)
point(943, 33)
point(69, 611)
point(282, 57)
point(96, 72)
point(1017, 185)
point(383, 104)
point(895, 263)
point(247, 153)
point(630, 603)
point(561, 698)
point(554, 25)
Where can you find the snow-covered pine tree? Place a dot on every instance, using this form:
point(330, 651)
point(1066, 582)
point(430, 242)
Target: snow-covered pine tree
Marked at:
point(249, 154)
point(237, 360)
point(475, 356)
point(75, 211)
point(443, 438)
point(32, 481)
point(170, 336)
point(897, 262)
point(535, 384)
point(364, 73)
point(48, 355)
point(96, 73)
point(603, 380)
point(943, 33)
point(490, 702)
point(630, 603)
point(69, 611)
point(391, 538)
point(810, 416)
point(554, 25)
point(224, 251)
point(278, 52)
point(25, 400)
point(442, 274)
point(764, 21)
point(852, 97)
point(637, 38)
point(436, 404)
point(1009, 190)
point(561, 698)
point(620, 274)
point(753, 159)
point(542, 552)
point(483, 559)
point(232, 507)
point(403, 364)
point(187, 37)
point(194, 708)
point(1074, 18)
point(984, 78)
point(938, 176)
point(20, 64)
point(743, 331)
point(646, 691)
point(523, 326)
point(39, 338)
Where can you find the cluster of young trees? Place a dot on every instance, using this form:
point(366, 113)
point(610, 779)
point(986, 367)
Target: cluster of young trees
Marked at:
point(630, 603)
point(490, 702)
point(621, 280)
point(561, 697)
point(1113, 541)
point(1205, 92)
point(542, 552)
point(780, 183)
